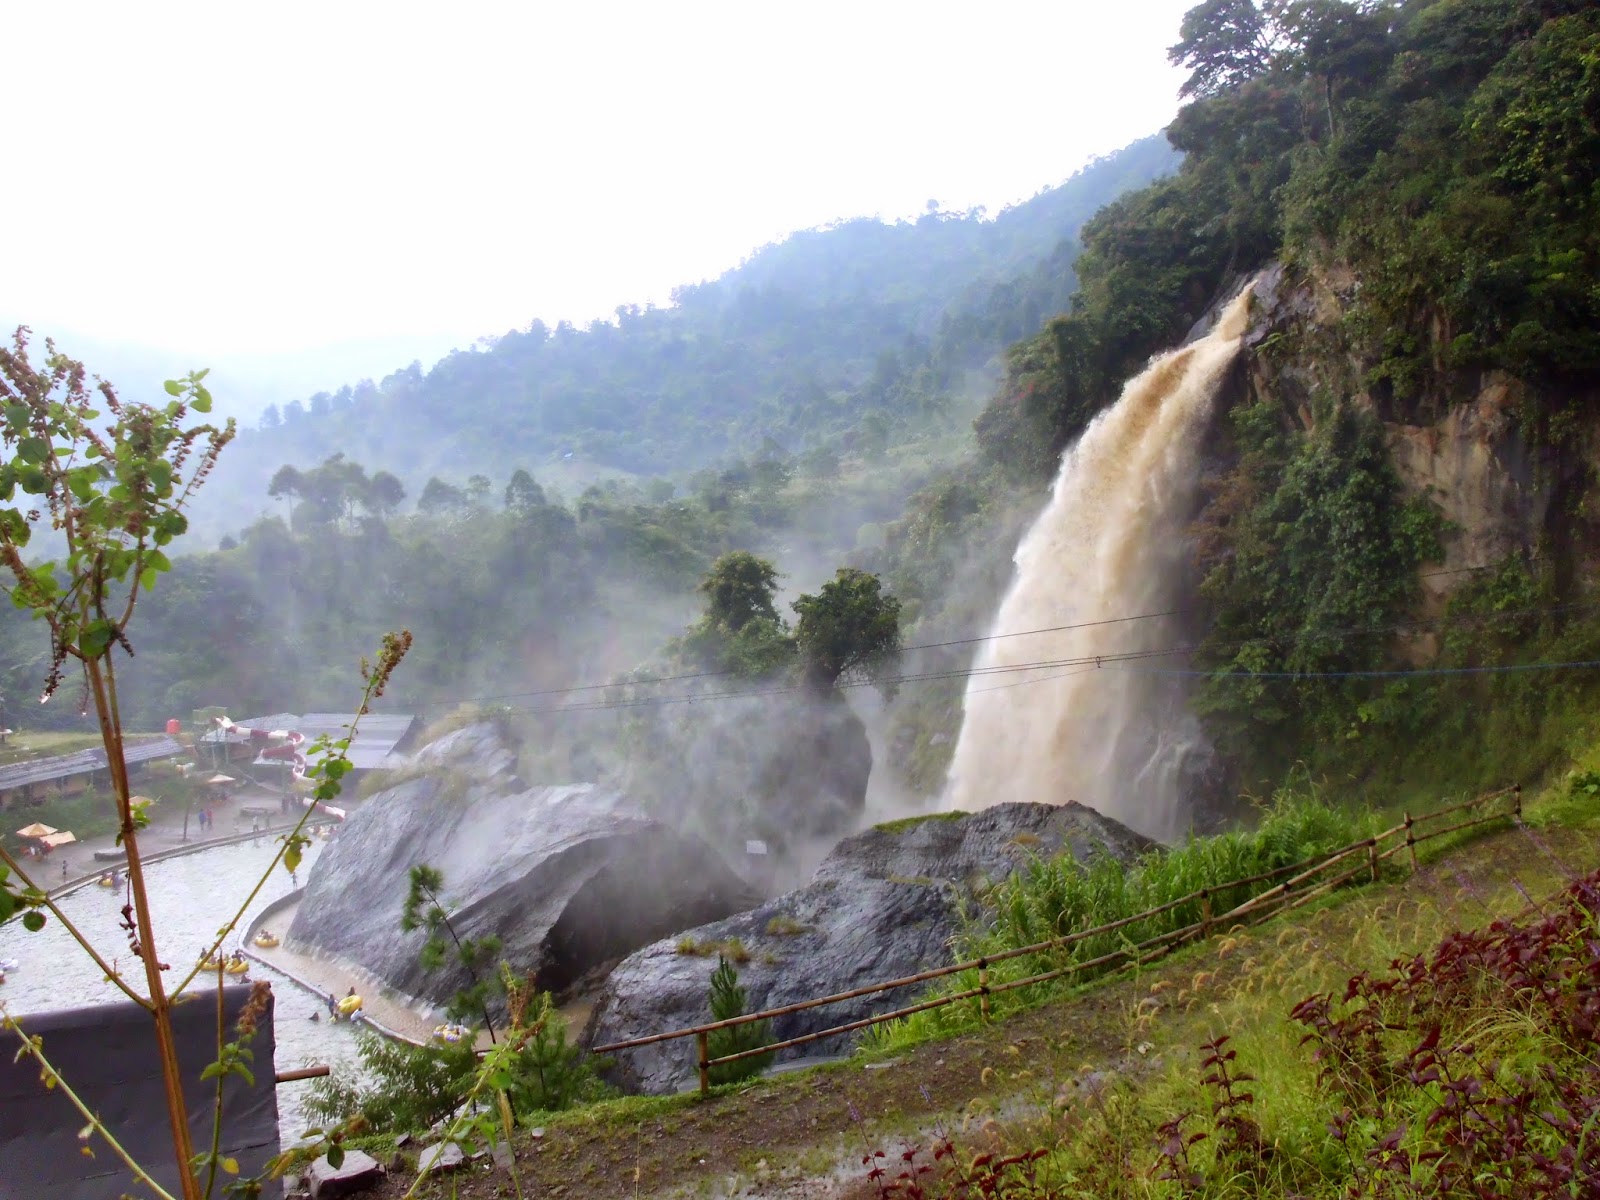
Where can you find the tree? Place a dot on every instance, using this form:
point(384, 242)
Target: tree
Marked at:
point(740, 588)
point(286, 483)
point(523, 493)
point(727, 1002)
point(1223, 43)
point(741, 631)
point(384, 495)
point(271, 418)
point(440, 498)
point(425, 910)
point(850, 626)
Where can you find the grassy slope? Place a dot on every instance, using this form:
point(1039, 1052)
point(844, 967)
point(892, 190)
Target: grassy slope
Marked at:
point(1116, 1059)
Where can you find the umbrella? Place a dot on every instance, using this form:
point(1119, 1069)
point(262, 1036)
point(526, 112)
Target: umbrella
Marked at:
point(55, 840)
point(222, 779)
point(36, 830)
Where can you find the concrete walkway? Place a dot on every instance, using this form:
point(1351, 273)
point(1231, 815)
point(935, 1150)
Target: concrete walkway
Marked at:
point(75, 864)
point(327, 977)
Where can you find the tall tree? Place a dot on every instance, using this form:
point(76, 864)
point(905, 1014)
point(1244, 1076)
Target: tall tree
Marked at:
point(384, 495)
point(850, 626)
point(1223, 43)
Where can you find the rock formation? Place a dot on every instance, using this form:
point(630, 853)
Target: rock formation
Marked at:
point(883, 904)
point(1465, 451)
point(570, 878)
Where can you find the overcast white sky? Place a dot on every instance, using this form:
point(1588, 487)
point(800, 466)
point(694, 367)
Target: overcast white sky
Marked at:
point(243, 179)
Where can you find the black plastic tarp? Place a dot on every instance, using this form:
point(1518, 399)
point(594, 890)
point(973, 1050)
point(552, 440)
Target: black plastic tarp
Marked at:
point(107, 1054)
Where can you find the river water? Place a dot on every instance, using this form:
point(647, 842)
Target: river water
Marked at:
point(191, 897)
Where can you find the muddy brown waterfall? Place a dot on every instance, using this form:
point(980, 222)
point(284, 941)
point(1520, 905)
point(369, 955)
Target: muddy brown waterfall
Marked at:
point(1110, 545)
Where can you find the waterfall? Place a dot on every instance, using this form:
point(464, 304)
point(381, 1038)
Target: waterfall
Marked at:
point(1110, 544)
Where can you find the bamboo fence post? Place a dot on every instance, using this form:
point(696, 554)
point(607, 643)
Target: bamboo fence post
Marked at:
point(1372, 858)
point(701, 1042)
point(1516, 793)
point(1411, 844)
point(983, 988)
point(1205, 913)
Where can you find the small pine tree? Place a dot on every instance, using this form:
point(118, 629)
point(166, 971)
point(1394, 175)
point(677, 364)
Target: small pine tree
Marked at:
point(425, 910)
point(549, 1073)
point(727, 1001)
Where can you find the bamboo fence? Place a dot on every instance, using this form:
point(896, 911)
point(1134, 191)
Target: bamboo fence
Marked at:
point(1304, 884)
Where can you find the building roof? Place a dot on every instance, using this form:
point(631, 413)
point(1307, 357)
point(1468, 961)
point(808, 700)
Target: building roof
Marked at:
point(377, 736)
point(82, 762)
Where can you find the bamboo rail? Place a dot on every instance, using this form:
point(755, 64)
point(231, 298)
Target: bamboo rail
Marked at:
point(1281, 898)
point(284, 1077)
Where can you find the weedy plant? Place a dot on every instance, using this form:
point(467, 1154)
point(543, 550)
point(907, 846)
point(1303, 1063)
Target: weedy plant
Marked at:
point(107, 482)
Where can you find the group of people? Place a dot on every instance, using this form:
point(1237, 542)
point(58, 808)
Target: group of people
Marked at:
point(333, 1006)
point(207, 821)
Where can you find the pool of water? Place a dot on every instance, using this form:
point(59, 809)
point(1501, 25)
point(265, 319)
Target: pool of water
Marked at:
point(191, 897)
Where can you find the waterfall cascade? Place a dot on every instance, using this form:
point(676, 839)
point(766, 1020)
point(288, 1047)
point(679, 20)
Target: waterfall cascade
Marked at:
point(1115, 735)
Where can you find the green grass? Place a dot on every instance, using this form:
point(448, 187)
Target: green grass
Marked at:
point(1057, 896)
point(905, 823)
point(24, 747)
point(1105, 1142)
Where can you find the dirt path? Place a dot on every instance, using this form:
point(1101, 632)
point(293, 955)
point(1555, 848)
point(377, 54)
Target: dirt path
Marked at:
point(805, 1134)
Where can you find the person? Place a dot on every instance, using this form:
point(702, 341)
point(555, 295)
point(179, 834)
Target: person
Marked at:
point(63, 868)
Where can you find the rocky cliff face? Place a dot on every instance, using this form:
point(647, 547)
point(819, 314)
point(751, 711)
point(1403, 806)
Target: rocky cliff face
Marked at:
point(882, 905)
point(570, 878)
point(1460, 444)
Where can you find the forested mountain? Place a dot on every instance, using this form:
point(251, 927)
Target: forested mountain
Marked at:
point(1405, 479)
point(861, 330)
point(1426, 175)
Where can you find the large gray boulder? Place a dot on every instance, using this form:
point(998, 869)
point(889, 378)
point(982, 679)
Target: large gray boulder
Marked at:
point(570, 878)
point(882, 905)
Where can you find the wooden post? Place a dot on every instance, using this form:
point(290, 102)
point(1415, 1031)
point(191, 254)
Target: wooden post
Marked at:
point(1372, 857)
point(983, 988)
point(1411, 844)
point(1517, 793)
point(701, 1042)
point(1205, 913)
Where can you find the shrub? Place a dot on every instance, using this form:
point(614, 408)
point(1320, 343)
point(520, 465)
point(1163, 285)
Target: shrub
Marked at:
point(410, 1088)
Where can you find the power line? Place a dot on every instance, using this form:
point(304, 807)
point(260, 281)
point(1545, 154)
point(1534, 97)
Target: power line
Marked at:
point(652, 680)
point(1415, 672)
point(655, 679)
point(1086, 661)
